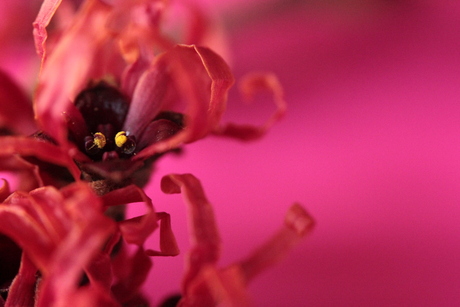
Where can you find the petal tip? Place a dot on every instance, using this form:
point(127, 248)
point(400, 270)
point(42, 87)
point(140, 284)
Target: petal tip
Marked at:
point(299, 220)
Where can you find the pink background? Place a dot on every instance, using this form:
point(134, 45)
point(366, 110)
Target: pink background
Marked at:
point(370, 146)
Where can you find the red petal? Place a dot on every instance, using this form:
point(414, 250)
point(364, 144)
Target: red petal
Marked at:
point(99, 271)
point(27, 234)
point(148, 97)
point(28, 173)
point(48, 152)
point(168, 244)
point(217, 287)
point(201, 78)
point(204, 234)
point(137, 268)
point(22, 290)
point(135, 230)
point(89, 231)
point(16, 111)
point(297, 224)
point(249, 86)
point(45, 14)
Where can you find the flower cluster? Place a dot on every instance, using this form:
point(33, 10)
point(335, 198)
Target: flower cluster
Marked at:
point(114, 94)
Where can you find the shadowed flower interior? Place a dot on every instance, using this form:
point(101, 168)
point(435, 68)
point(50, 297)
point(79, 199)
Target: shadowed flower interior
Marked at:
point(104, 110)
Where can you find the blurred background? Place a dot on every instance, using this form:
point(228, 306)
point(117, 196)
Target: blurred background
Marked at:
point(370, 146)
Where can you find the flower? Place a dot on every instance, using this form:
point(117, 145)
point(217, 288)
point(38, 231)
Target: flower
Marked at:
point(120, 104)
point(68, 240)
point(204, 283)
point(113, 94)
point(114, 127)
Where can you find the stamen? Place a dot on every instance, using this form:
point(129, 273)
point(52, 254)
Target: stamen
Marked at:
point(125, 142)
point(120, 138)
point(99, 140)
point(95, 143)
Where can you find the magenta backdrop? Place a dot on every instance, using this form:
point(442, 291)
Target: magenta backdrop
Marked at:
point(370, 146)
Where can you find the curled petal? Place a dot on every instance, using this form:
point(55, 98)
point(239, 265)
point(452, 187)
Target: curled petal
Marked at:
point(16, 112)
point(87, 232)
point(135, 271)
point(22, 289)
point(249, 86)
point(78, 249)
point(211, 286)
point(200, 78)
point(214, 286)
point(44, 16)
point(27, 233)
point(137, 23)
point(135, 230)
point(99, 271)
point(48, 152)
point(297, 224)
point(203, 231)
point(168, 244)
point(85, 296)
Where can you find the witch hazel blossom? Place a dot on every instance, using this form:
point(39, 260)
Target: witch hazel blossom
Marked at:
point(107, 105)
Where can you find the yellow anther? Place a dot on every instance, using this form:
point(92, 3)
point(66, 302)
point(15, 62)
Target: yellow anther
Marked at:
point(99, 140)
point(120, 138)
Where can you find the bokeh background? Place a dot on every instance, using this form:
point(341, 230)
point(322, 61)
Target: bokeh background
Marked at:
point(370, 146)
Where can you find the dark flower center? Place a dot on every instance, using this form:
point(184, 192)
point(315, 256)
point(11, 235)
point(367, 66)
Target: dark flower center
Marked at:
point(104, 110)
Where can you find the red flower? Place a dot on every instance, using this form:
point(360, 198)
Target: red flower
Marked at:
point(113, 94)
point(107, 104)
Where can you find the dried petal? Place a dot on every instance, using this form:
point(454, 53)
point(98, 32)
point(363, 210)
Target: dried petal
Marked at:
point(224, 286)
point(203, 231)
point(168, 244)
point(251, 84)
point(136, 269)
point(16, 112)
point(25, 146)
point(298, 223)
point(22, 290)
point(202, 80)
point(135, 230)
point(44, 16)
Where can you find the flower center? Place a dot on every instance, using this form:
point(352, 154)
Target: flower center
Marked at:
point(99, 143)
